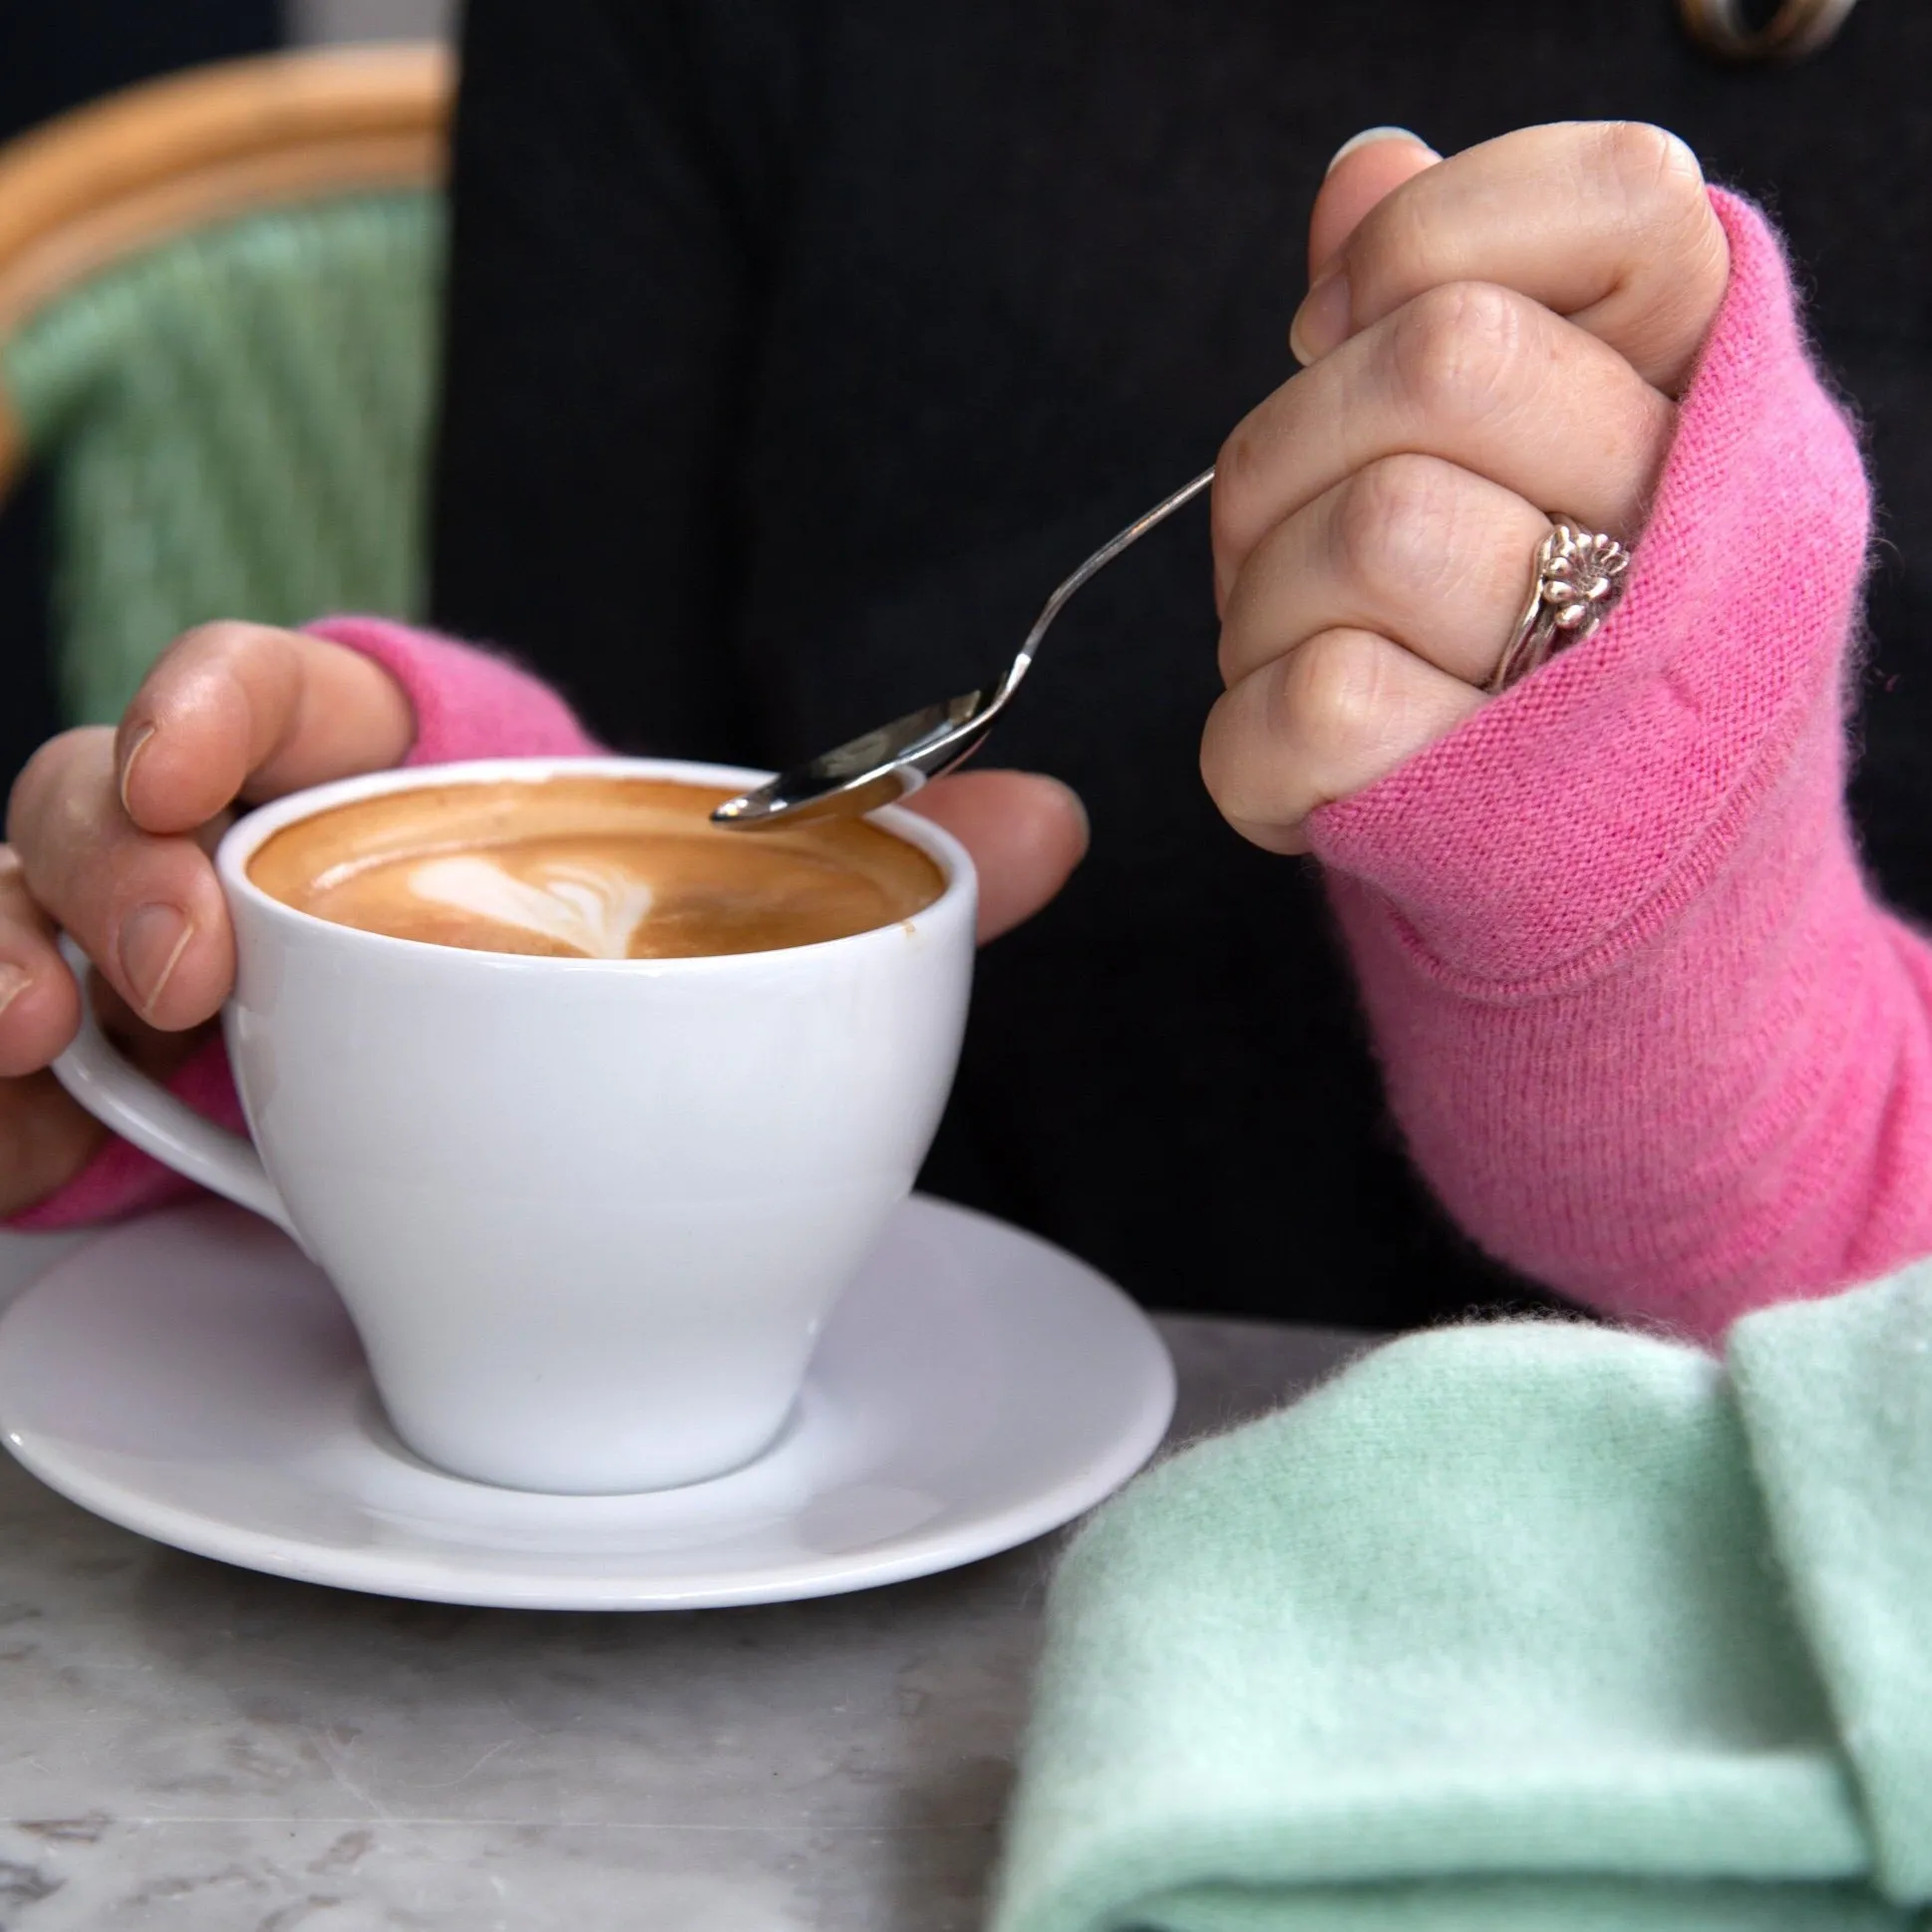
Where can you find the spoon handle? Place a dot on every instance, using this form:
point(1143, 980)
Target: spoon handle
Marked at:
point(880, 765)
point(1099, 561)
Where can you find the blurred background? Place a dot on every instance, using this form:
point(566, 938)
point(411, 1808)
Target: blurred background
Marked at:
point(54, 59)
point(316, 22)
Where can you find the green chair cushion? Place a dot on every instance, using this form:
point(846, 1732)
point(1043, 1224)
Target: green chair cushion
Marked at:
point(235, 425)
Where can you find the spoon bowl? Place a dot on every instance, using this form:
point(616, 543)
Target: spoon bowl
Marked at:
point(878, 768)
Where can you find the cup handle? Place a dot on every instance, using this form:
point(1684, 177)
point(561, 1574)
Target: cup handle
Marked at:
point(145, 1112)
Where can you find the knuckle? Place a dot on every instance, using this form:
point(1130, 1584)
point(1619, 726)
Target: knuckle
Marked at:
point(1246, 765)
point(47, 797)
point(1227, 763)
point(1456, 348)
point(228, 652)
point(1330, 695)
point(1392, 522)
point(221, 638)
point(1647, 170)
point(1237, 469)
point(1214, 761)
point(1290, 733)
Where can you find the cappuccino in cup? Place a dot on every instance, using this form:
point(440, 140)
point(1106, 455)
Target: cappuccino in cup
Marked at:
point(590, 868)
point(588, 1109)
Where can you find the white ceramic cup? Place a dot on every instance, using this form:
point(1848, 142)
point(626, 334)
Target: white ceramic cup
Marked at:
point(588, 1215)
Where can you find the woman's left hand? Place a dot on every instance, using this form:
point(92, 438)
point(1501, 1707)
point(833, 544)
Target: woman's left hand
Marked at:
point(1487, 339)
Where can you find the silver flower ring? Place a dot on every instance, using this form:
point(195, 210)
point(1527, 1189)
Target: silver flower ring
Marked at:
point(1577, 579)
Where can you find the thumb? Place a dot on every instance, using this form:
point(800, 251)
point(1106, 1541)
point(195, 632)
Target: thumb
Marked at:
point(1366, 170)
point(1026, 835)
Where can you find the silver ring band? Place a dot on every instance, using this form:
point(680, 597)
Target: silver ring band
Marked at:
point(1575, 583)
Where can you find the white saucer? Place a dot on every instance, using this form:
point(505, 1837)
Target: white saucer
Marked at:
point(191, 1376)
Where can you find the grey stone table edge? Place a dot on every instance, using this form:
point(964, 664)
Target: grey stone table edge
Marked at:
point(189, 1744)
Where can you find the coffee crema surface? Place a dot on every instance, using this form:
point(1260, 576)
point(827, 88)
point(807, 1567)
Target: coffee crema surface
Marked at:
point(589, 867)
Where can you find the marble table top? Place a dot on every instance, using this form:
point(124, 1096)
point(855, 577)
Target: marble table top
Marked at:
point(184, 1745)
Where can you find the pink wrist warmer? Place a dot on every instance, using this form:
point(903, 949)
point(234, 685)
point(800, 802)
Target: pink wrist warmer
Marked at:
point(467, 705)
point(1646, 1031)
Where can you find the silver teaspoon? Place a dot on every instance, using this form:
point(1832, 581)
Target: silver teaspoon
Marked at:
point(898, 758)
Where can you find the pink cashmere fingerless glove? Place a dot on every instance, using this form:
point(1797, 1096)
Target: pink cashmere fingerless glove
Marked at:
point(1646, 1031)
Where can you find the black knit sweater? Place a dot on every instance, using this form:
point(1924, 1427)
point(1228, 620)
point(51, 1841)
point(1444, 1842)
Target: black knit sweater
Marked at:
point(795, 350)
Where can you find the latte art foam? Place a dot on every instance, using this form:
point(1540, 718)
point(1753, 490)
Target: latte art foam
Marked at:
point(593, 909)
point(589, 867)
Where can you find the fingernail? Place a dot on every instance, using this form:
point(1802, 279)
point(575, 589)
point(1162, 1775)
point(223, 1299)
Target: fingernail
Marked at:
point(1322, 321)
point(153, 940)
point(14, 981)
point(1369, 136)
point(135, 746)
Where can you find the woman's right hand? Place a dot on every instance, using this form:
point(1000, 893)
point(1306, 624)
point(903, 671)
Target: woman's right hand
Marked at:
point(110, 835)
point(1490, 340)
